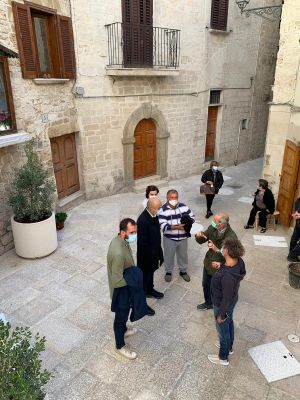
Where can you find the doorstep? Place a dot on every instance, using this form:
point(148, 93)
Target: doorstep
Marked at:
point(70, 201)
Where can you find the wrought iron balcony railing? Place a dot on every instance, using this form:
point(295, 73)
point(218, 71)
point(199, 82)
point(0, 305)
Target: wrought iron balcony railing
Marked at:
point(141, 46)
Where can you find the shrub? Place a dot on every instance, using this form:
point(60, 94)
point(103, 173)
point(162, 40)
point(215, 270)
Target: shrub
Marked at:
point(60, 217)
point(32, 189)
point(21, 377)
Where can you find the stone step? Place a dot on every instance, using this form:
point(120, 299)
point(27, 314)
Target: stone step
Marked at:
point(141, 184)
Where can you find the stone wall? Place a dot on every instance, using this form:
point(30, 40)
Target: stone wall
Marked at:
point(31, 102)
point(284, 117)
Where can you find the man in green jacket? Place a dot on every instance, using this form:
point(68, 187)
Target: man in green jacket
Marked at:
point(215, 234)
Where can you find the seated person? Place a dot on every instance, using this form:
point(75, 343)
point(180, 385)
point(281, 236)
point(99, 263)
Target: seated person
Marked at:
point(264, 203)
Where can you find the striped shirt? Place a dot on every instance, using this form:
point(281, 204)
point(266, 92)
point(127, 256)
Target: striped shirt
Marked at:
point(172, 216)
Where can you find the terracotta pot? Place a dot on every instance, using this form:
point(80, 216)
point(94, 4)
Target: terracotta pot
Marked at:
point(60, 225)
point(35, 240)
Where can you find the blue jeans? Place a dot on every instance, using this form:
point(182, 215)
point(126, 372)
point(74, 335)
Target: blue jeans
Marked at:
point(225, 332)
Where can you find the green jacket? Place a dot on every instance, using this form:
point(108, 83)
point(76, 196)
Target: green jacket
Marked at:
point(217, 239)
point(119, 257)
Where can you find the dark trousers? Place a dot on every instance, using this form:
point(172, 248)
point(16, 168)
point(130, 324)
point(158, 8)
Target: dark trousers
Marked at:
point(148, 281)
point(209, 201)
point(295, 243)
point(262, 217)
point(121, 317)
point(206, 281)
point(225, 332)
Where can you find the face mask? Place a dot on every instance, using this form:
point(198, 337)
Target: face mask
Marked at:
point(131, 238)
point(159, 211)
point(213, 224)
point(221, 251)
point(215, 168)
point(173, 202)
point(152, 195)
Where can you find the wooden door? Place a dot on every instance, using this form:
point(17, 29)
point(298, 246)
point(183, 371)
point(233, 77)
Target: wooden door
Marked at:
point(137, 18)
point(288, 182)
point(211, 133)
point(145, 149)
point(65, 165)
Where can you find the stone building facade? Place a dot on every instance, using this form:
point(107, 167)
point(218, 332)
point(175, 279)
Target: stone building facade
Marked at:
point(102, 109)
point(282, 153)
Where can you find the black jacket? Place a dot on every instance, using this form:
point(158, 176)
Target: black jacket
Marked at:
point(132, 295)
point(297, 205)
point(188, 222)
point(209, 176)
point(149, 251)
point(225, 285)
point(268, 200)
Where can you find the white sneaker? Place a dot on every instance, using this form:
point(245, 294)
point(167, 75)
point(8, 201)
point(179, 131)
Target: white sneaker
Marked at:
point(216, 360)
point(217, 344)
point(130, 332)
point(125, 352)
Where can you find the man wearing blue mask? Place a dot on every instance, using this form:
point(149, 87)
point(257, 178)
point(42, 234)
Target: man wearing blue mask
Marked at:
point(215, 234)
point(119, 258)
point(149, 251)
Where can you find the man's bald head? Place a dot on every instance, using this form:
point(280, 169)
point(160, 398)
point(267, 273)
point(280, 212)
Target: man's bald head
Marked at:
point(153, 205)
point(222, 220)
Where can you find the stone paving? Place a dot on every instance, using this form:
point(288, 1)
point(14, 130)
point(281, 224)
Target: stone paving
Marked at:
point(65, 297)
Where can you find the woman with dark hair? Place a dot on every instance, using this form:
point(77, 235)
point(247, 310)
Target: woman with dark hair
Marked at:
point(263, 203)
point(224, 290)
point(151, 191)
point(214, 178)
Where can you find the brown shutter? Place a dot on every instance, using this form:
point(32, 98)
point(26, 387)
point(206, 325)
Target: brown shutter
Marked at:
point(25, 40)
point(219, 14)
point(66, 47)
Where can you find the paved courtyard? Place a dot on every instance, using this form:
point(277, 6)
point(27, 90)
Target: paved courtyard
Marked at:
point(65, 297)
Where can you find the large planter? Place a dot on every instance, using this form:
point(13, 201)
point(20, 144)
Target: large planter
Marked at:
point(294, 275)
point(35, 240)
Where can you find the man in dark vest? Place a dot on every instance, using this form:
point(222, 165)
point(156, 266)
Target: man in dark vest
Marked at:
point(149, 251)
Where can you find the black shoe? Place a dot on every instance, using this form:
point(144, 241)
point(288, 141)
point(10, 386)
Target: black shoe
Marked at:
point(248, 226)
point(155, 294)
point(204, 306)
point(209, 213)
point(292, 259)
point(150, 311)
point(263, 230)
point(185, 276)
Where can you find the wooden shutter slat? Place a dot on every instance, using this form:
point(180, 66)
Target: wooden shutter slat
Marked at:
point(25, 40)
point(219, 14)
point(66, 47)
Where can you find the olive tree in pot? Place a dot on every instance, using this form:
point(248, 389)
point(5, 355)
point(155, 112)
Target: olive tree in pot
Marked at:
point(31, 198)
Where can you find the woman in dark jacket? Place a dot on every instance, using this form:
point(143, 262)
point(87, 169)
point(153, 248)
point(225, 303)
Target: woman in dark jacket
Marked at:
point(224, 290)
point(214, 178)
point(264, 203)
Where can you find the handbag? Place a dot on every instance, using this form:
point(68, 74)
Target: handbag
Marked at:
point(207, 189)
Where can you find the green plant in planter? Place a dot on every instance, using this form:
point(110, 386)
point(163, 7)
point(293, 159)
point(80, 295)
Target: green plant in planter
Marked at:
point(21, 374)
point(32, 189)
point(60, 217)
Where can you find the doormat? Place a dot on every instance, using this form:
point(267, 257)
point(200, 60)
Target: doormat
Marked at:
point(248, 200)
point(275, 361)
point(271, 241)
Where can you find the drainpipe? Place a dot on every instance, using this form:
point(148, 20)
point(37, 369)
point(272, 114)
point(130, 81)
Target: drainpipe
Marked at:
point(238, 144)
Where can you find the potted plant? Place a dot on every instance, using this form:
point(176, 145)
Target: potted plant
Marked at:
point(21, 374)
point(60, 218)
point(31, 198)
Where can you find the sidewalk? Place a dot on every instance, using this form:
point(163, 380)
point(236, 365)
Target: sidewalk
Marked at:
point(65, 297)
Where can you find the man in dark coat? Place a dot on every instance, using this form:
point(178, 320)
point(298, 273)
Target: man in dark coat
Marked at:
point(149, 251)
point(263, 203)
point(214, 178)
point(295, 239)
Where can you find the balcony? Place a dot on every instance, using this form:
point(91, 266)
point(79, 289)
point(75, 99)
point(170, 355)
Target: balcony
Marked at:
point(140, 50)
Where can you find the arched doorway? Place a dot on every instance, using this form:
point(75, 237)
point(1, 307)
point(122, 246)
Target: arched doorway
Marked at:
point(145, 149)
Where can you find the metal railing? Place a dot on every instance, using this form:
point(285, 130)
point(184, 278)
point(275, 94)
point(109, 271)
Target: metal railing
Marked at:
point(138, 46)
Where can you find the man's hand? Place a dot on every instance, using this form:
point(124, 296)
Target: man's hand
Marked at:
point(220, 320)
point(200, 235)
point(209, 183)
point(179, 227)
point(211, 246)
point(296, 215)
point(216, 264)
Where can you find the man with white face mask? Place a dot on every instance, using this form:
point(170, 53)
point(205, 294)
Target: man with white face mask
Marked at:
point(174, 235)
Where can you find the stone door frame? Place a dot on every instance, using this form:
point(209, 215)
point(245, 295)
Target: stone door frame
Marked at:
point(145, 111)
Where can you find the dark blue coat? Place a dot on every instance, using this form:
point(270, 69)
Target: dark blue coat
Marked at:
point(132, 295)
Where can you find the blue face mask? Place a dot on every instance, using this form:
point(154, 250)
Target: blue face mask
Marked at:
point(159, 211)
point(131, 238)
point(213, 224)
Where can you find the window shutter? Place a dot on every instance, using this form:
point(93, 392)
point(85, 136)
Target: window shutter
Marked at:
point(25, 40)
point(219, 14)
point(66, 47)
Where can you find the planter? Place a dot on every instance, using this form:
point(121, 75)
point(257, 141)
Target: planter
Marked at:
point(35, 240)
point(294, 275)
point(60, 225)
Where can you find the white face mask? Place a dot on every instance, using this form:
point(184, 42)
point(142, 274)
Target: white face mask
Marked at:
point(173, 203)
point(215, 168)
point(152, 195)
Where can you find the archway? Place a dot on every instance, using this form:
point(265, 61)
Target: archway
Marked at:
point(145, 111)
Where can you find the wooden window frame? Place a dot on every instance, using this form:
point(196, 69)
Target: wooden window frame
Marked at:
point(60, 42)
point(9, 94)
